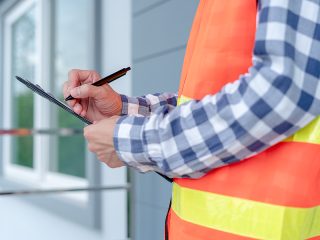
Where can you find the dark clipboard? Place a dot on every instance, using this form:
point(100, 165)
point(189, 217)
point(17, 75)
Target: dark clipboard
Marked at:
point(37, 89)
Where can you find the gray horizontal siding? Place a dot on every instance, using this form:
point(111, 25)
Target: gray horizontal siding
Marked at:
point(141, 6)
point(155, 219)
point(159, 74)
point(160, 31)
point(163, 28)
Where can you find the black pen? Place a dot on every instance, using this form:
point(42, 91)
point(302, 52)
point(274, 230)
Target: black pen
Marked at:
point(107, 79)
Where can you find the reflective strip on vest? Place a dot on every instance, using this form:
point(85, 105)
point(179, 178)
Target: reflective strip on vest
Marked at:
point(309, 134)
point(245, 217)
point(183, 99)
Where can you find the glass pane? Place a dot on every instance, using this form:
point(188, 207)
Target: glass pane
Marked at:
point(23, 64)
point(72, 33)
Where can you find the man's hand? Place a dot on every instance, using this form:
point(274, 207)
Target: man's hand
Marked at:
point(94, 103)
point(100, 141)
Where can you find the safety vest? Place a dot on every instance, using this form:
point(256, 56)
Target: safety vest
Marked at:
point(273, 195)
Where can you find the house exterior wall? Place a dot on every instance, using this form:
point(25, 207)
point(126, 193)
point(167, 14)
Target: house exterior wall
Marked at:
point(160, 30)
point(151, 36)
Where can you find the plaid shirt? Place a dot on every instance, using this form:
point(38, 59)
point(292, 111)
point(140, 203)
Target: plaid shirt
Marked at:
point(279, 95)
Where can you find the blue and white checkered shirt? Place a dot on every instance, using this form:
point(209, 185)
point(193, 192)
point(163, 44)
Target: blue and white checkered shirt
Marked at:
point(279, 95)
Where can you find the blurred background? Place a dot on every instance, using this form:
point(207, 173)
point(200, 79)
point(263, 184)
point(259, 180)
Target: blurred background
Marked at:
point(41, 40)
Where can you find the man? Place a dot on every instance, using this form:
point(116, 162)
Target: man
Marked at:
point(234, 108)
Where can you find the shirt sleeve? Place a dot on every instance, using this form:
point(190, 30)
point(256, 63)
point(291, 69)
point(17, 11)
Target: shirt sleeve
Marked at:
point(279, 95)
point(145, 105)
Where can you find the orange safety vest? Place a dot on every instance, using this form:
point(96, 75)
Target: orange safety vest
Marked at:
point(273, 195)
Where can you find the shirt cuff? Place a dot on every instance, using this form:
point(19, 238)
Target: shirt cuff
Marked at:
point(125, 101)
point(134, 106)
point(129, 143)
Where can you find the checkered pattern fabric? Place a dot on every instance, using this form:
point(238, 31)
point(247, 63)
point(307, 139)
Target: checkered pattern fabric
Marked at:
point(145, 105)
point(279, 95)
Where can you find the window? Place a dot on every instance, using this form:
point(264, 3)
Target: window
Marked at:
point(71, 50)
point(20, 53)
point(61, 37)
point(23, 48)
point(45, 160)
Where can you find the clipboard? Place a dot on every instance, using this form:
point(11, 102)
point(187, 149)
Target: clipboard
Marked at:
point(38, 90)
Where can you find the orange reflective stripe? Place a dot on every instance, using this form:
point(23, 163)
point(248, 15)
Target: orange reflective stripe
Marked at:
point(280, 175)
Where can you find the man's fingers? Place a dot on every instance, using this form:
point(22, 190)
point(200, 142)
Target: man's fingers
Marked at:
point(65, 89)
point(73, 78)
point(95, 77)
point(84, 103)
point(77, 108)
point(85, 91)
point(78, 77)
point(66, 93)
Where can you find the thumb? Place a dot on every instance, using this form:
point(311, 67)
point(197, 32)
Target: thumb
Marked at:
point(85, 91)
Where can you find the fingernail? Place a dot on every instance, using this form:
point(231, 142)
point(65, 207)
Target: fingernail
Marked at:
point(75, 92)
point(77, 107)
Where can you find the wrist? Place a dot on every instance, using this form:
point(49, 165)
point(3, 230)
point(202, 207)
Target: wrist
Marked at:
point(129, 143)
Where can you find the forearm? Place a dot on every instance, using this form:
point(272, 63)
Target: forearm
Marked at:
point(145, 105)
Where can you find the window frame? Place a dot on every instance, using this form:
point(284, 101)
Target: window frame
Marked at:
point(10, 19)
point(82, 207)
point(53, 110)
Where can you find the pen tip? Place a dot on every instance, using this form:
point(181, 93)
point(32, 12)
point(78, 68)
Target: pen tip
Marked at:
point(69, 98)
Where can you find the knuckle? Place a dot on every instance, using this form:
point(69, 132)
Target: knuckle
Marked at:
point(65, 87)
point(112, 165)
point(72, 72)
point(73, 76)
point(86, 133)
point(101, 158)
point(91, 148)
point(85, 88)
point(96, 76)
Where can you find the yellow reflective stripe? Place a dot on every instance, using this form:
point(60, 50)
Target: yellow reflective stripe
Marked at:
point(245, 217)
point(183, 99)
point(309, 134)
